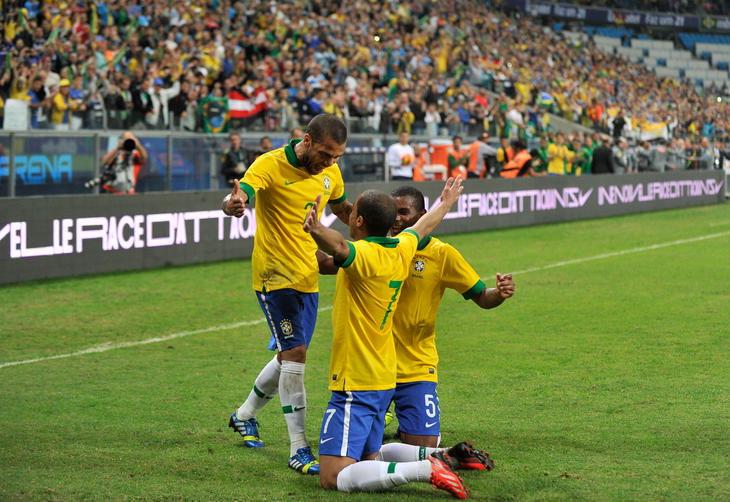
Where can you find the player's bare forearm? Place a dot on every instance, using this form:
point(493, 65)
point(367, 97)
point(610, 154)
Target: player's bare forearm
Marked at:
point(342, 211)
point(326, 263)
point(494, 297)
point(330, 241)
point(435, 216)
point(489, 298)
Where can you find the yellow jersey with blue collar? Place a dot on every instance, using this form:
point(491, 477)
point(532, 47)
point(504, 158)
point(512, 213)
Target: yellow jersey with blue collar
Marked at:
point(366, 295)
point(284, 255)
point(435, 267)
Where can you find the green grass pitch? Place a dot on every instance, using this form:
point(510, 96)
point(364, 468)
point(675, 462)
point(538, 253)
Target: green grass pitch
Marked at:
point(602, 379)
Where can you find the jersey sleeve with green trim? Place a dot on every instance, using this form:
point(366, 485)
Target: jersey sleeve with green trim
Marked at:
point(459, 275)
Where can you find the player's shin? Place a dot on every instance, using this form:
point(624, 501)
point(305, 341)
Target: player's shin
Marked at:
point(372, 475)
point(293, 402)
point(399, 452)
point(265, 387)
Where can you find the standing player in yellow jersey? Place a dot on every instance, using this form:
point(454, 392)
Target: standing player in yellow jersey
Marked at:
point(285, 272)
point(435, 267)
point(363, 361)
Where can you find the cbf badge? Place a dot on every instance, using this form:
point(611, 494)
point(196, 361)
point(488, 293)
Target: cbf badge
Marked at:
point(286, 327)
point(326, 182)
point(419, 265)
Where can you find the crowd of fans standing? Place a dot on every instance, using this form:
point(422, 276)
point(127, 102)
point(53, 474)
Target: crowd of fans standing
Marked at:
point(434, 68)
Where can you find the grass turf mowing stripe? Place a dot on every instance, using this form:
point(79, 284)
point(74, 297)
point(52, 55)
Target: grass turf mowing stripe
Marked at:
point(222, 327)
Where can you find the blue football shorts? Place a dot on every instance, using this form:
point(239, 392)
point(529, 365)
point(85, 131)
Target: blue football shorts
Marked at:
point(353, 423)
point(417, 408)
point(291, 316)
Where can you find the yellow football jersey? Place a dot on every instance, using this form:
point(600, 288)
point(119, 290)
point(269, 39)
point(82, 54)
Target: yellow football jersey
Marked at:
point(284, 254)
point(435, 267)
point(366, 295)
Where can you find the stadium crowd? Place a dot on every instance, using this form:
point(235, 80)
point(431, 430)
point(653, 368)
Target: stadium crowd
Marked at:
point(434, 68)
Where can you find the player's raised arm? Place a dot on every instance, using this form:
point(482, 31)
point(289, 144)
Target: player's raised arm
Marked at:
point(234, 204)
point(450, 194)
point(330, 241)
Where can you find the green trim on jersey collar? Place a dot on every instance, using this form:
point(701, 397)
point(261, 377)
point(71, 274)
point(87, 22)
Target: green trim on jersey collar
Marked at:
point(424, 242)
point(291, 155)
point(386, 242)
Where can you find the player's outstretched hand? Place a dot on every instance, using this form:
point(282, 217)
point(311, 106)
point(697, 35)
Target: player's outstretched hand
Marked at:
point(311, 221)
point(505, 285)
point(235, 205)
point(452, 190)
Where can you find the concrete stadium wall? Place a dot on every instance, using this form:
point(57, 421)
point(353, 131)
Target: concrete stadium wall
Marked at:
point(66, 236)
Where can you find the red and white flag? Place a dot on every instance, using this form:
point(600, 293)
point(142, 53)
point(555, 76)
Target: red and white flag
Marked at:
point(242, 107)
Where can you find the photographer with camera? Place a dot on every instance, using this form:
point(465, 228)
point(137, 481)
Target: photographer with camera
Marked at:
point(121, 166)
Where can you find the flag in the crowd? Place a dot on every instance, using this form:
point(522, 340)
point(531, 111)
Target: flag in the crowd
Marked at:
point(118, 56)
point(53, 36)
point(243, 107)
point(94, 19)
point(215, 114)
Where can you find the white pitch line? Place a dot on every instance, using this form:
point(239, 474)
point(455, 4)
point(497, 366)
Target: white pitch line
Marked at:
point(104, 347)
point(623, 252)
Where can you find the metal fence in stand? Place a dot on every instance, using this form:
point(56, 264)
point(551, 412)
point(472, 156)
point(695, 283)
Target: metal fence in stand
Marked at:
point(60, 163)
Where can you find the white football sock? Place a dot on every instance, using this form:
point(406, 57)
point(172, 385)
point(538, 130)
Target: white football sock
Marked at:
point(264, 388)
point(293, 402)
point(399, 452)
point(372, 475)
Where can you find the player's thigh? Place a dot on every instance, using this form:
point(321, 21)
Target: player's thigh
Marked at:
point(417, 408)
point(375, 438)
point(347, 423)
point(291, 316)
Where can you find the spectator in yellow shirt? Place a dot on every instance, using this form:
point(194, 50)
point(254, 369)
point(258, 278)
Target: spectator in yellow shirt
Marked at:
point(63, 105)
point(558, 156)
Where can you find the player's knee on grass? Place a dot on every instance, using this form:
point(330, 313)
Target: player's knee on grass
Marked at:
point(296, 354)
point(416, 440)
point(329, 468)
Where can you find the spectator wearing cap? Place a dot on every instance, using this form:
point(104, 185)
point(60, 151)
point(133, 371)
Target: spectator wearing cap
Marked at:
point(63, 105)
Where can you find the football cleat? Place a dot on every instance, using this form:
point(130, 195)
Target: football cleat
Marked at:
point(464, 456)
point(305, 462)
point(249, 429)
point(444, 478)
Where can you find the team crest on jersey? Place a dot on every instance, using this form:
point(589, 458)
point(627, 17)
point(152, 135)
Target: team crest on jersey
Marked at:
point(286, 327)
point(326, 182)
point(419, 265)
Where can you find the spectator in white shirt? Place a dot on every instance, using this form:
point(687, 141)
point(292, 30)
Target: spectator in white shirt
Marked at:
point(400, 158)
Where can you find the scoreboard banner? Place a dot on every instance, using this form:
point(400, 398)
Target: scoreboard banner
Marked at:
point(62, 236)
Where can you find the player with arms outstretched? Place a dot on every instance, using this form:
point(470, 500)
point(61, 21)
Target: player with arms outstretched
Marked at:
point(435, 267)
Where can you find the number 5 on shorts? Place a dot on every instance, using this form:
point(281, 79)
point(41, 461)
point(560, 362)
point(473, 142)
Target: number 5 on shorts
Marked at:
point(430, 406)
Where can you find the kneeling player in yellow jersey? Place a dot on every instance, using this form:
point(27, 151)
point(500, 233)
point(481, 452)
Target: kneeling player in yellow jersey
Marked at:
point(435, 267)
point(363, 364)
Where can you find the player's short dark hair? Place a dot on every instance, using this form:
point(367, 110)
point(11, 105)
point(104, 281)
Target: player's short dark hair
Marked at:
point(412, 192)
point(326, 125)
point(378, 211)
